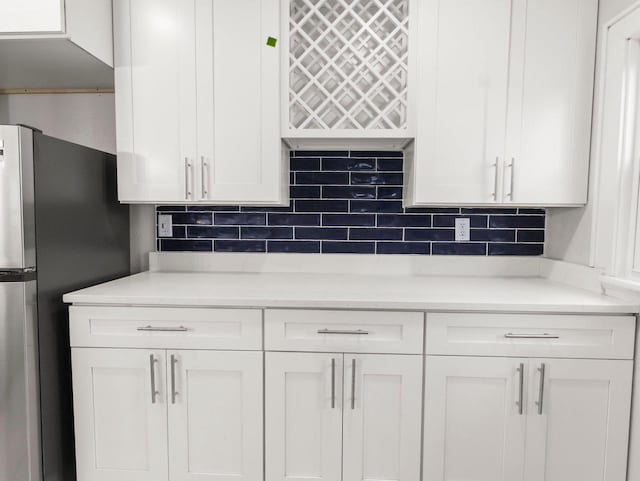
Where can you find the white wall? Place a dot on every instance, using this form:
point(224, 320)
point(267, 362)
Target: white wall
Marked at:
point(569, 230)
point(85, 119)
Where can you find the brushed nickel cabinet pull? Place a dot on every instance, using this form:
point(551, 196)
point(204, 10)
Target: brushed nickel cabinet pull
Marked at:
point(542, 369)
point(187, 181)
point(174, 393)
point(333, 383)
point(511, 335)
point(204, 167)
point(152, 367)
point(353, 383)
point(358, 332)
point(513, 176)
point(162, 329)
point(495, 180)
point(520, 402)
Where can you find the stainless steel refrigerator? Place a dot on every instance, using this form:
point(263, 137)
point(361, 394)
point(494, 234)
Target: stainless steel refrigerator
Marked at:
point(61, 228)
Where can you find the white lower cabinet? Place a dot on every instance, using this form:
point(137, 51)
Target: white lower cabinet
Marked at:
point(334, 417)
point(168, 415)
point(490, 419)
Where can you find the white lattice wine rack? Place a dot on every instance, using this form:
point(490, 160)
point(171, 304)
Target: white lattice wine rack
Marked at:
point(348, 65)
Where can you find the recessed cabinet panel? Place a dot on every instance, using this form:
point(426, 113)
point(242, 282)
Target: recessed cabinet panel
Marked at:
point(31, 16)
point(549, 124)
point(303, 406)
point(120, 415)
point(473, 428)
point(215, 415)
point(463, 74)
point(157, 138)
point(382, 404)
point(578, 423)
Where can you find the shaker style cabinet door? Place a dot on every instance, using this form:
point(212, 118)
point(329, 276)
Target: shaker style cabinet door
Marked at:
point(215, 415)
point(475, 419)
point(382, 412)
point(155, 80)
point(31, 16)
point(578, 420)
point(303, 409)
point(463, 72)
point(551, 93)
point(240, 154)
point(120, 414)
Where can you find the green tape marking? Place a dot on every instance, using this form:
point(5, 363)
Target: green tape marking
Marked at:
point(272, 42)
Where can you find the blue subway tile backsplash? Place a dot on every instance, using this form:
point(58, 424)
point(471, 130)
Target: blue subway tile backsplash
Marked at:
point(351, 202)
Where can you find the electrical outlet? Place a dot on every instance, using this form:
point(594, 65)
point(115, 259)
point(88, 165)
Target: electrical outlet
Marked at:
point(463, 229)
point(165, 226)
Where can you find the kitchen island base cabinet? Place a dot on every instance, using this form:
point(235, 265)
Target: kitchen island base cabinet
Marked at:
point(146, 415)
point(508, 419)
point(334, 417)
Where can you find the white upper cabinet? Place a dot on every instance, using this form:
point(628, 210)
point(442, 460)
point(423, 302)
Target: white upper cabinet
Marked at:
point(504, 108)
point(53, 44)
point(196, 94)
point(349, 67)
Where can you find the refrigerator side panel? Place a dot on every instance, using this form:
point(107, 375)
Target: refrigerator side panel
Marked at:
point(20, 456)
point(82, 239)
point(17, 235)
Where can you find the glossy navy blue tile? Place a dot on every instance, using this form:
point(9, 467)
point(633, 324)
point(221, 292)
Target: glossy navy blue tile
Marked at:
point(377, 153)
point(305, 163)
point(322, 178)
point(348, 192)
point(305, 191)
point(376, 206)
point(532, 211)
point(179, 232)
point(429, 234)
point(516, 249)
point(240, 246)
point(363, 178)
point(321, 153)
point(329, 247)
point(266, 232)
point(404, 220)
point(274, 208)
point(530, 236)
point(348, 220)
point(348, 164)
point(241, 218)
point(480, 210)
point(301, 247)
point(170, 208)
point(390, 165)
point(517, 221)
point(321, 233)
point(322, 205)
point(493, 235)
point(389, 193)
point(476, 221)
point(432, 210)
point(458, 249)
point(200, 218)
point(213, 208)
point(213, 232)
point(375, 234)
point(175, 245)
point(423, 248)
point(294, 219)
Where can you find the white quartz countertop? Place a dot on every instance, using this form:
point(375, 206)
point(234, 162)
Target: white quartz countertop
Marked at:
point(425, 293)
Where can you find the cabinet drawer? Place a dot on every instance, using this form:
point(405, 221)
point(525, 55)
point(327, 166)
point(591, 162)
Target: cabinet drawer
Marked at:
point(166, 328)
point(344, 331)
point(531, 335)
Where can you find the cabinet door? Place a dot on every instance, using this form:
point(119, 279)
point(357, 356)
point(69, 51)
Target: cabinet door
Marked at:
point(120, 414)
point(155, 99)
point(473, 427)
point(238, 82)
point(31, 16)
point(463, 73)
point(303, 407)
point(551, 94)
point(578, 420)
point(215, 415)
point(382, 417)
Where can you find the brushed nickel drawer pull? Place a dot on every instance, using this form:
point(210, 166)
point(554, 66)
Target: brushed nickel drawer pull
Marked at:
point(358, 332)
point(511, 335)
point(152, 367)
point(163, 329)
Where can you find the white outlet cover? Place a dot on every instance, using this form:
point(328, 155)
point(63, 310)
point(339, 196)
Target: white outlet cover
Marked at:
point(463, 229)
point(165, 226)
